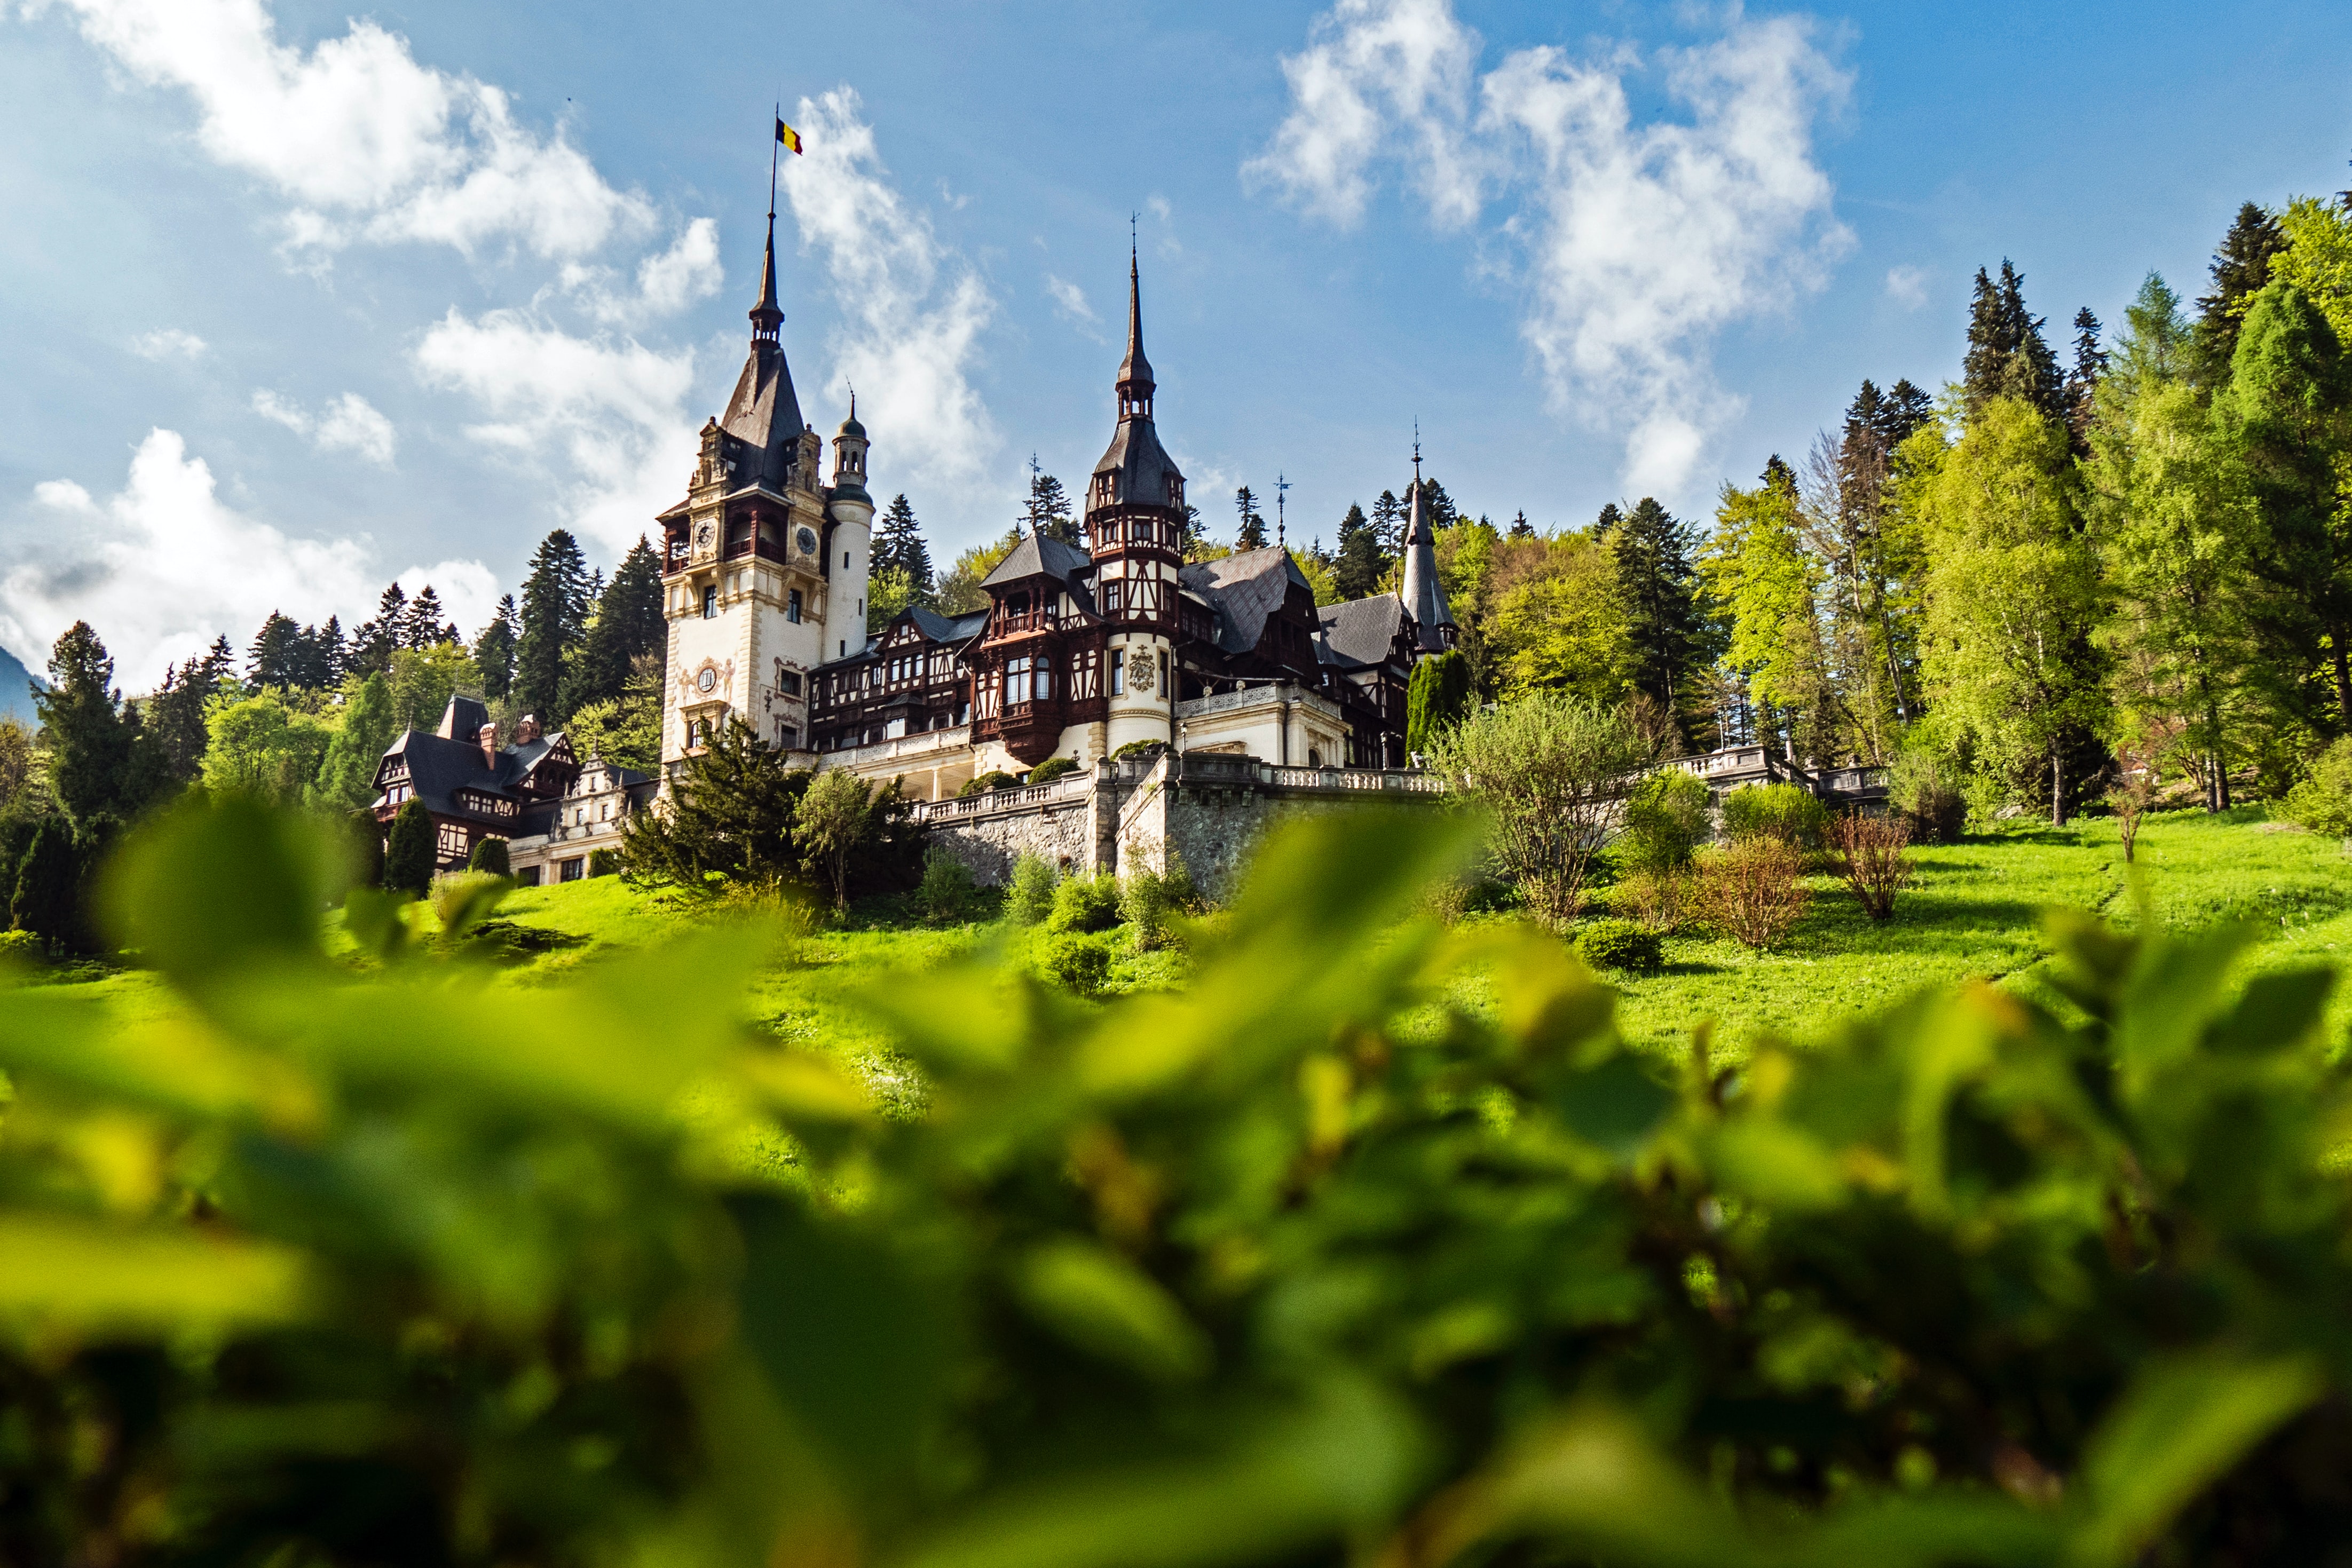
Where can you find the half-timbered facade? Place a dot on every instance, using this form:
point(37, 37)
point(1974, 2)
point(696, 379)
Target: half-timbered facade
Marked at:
point(473, 787)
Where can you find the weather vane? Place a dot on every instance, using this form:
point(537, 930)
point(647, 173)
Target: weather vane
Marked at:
point(1281, 494)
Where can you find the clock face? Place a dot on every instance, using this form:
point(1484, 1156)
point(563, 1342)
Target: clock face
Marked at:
point(702, 536)
point(707, 679)
point(806, 538)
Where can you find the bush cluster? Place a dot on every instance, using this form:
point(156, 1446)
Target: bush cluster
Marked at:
point(982, 783)
point(1786, 813)
point(1619, 945)
point(1084, 901)
point(2322, 802)
point(1029, 896)
point(1052, 767)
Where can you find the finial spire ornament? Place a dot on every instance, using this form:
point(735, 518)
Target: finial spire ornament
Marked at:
point(1134, 386)
point(1281, 496)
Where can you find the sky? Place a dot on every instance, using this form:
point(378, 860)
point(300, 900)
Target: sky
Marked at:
point(296, 300)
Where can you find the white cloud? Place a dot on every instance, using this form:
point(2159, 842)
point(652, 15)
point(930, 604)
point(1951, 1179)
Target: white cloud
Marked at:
point(349, 423)
point(1639, 241)
point(911, 310)
point(667, 281)
point(606, 418)
point(167, 343)
point(1069, 299)
point(1373, 70)
point(162, 566)
point(1907, 285)
point(365, 141)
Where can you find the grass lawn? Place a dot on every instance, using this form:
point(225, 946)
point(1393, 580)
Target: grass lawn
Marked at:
point(1974, 911)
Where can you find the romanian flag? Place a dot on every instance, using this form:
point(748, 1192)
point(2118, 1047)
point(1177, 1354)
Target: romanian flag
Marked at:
point(787, 135)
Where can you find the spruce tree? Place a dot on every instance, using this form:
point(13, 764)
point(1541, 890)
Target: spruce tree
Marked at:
point(494, 651)
point(1438, 697)
point(899, 545)
point(102, 759)
point(374, 642)
point(275, 658)
point(410, 850)
point(424, 625)
point(2007, 355)
point(628, 624)
point(1606, 523)
point(1521, 528)
point(1047, 513)
point(328, 651)
point(1388, 525)
point(1435, 504)
point(1659, 581)
point(1251, 534)
point(1357, 566)
point(2242, 267)
point(175, 714)
point(2083, 380)
point(554, 618)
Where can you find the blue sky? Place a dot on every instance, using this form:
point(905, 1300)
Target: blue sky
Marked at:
point(293, 303)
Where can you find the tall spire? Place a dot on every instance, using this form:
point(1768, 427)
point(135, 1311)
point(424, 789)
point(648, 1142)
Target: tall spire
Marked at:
point(1134, 384)
point(1418, 587)
point(765, 317)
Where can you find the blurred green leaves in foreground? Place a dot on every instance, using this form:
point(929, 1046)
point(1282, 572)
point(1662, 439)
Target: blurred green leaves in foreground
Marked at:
point(1323, 1259)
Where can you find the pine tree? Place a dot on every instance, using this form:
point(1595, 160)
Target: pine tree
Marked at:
point(1047, 513)
point(628, 624)
point(1251, 535)
point(1359, 564)
point(1388, 525)
point(275, 658)
point(2006, 354)
point(1658, 580)
point(2242, 267)
point(374, 642)
point(101, 759)
point(554, 618)
point(411, 852)
point(898, 543)
point(1521, 528)
point(2083, 380)
point(330, 654)
point(424, 625)
point(494, 651)
point(1606, 523)
point(1438, 697)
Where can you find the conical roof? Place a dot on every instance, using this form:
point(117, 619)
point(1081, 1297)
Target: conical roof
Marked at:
point(1424, 595)
point(764, 415)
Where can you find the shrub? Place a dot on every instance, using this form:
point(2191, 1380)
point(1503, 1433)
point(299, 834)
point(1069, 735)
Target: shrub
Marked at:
point(981, 784)
point(1437, 698)
point(1658, 899)
point(1870, 852)
point(1029, 899)
point(366, 836)
point(1141, 748)
point(1666, 821)
point(48, 884)
point(834, 821)
point(410, 854)
point(1619, 945)
point(21, 948)
point(1926, 789)
point(1052, 767)
point(946, 888)
point(1079, 962)
point(2133, 794)
point(490, 855)
point(2322, 800)
point(603, 863)
point(1783, 811)
point(1146, 898)
point(464, 899)
point(1085, 902)
point(1750, 891)
point(1545, 771)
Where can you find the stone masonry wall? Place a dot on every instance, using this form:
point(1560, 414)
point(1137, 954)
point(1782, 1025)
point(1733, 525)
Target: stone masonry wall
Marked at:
point(1062, 833)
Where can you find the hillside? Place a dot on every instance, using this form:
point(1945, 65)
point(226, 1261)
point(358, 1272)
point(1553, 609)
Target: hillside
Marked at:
point(16, 689)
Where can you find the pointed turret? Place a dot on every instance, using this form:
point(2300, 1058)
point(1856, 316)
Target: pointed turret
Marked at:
point(1136, 471)
point(1134, 386)
point(766, 318)
point(763, 420)
point(1424, 595)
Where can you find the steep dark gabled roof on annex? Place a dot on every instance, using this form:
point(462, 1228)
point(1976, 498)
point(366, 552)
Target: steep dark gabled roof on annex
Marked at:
point(1244, 589)
point(1360, 632)
point(950, 629)
point(1039, 555)
point(438, 767)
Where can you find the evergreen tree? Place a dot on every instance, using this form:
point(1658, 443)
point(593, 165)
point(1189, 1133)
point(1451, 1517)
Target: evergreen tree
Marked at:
point(347, 776)
point(898, 543)
point(731, 817)
point(1251, 535)
point(424, 625)
point(1606, 523)
point(1388, 527)
point(1359, 564)
point(2242, 268)
point(175, 714)
point(1435, 504)
point(275, 658)
point(628, 625)
point(1658, 580)
point(329, 653)
point(101, 759)
point(374, 643)
point(494, 651)
point(411, 852)
point(1521, 528)
point(2083, 380)
point(1439, 697)
point(554, 618)
point(1047, 513)
point(2006, 354)
point(43, 899)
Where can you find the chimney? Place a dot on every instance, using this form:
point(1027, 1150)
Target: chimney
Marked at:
point(527, 729)
point(490, 739)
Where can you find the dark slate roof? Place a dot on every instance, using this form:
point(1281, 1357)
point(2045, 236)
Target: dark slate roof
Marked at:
point(643, 789)
point(1360, 632)
point(1040, 555)
point(1243, 590)
point(941, 628)
point(535, 822)
point(1422, 595)
point(438, 766)
point(463, 720)
point(763, 420)
point(1144, 468)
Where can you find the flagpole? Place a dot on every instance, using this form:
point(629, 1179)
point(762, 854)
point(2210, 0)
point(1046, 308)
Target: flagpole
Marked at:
point(775, 142)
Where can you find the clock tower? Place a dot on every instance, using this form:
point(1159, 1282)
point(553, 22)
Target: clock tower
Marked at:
point(764, 565)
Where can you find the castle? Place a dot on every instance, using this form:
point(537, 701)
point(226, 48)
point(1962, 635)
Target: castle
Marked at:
point(1079, 652)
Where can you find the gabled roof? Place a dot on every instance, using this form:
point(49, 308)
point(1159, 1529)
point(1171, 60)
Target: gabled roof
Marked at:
point(1039, 555)
point(1244, 589)
point(941, 628)
point(1361, 633)
point(440, 766)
